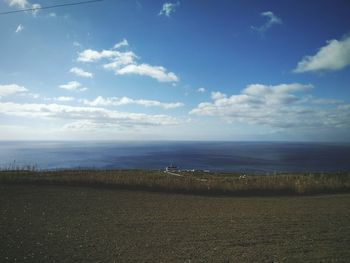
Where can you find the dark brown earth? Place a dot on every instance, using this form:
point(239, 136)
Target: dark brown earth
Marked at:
point(76, 224)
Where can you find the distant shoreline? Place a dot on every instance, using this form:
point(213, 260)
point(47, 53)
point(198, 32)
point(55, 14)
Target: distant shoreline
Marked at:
point(196, 183)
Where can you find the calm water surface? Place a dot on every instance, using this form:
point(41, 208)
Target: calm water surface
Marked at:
point(215, 156)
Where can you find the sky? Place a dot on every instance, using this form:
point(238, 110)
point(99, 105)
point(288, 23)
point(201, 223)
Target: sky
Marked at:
point(240, 70)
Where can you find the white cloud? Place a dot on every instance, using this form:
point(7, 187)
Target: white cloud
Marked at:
point(90, 55)
point(121, 59)
point(73, 85)
point(272, 20)
point(333, 56)
point(21, 4)
point(216, 95)
point(81, 73)
point(275, 106)
point(125, 63)
point(19, 28)
point(201, 90)
point(157, 72)
point(64, 99)
point(117, 58)
point(123, 43)
point(168, 8)
point(18, 3)
point(95, 117)
point(36, 8)
point(10, 89)
point(115, 101)
point(52, 14)
point(277, 90)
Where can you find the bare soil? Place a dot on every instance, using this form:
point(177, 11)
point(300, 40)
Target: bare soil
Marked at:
point(82, 224)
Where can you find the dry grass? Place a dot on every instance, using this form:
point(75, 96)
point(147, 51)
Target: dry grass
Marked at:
point(193, 183)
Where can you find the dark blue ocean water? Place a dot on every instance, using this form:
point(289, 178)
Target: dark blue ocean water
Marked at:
point(215, 156)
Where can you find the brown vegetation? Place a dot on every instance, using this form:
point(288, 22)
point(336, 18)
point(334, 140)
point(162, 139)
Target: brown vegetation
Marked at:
point(195, 183)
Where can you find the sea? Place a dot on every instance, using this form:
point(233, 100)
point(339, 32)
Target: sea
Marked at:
point(243, 157)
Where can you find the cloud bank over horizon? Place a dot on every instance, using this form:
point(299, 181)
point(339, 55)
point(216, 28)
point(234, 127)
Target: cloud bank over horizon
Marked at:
point(277, 106)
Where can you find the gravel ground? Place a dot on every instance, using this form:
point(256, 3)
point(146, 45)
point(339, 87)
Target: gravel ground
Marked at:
point(77, 224)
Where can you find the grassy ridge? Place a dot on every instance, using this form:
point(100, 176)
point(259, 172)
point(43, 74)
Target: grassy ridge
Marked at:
point(195, 183)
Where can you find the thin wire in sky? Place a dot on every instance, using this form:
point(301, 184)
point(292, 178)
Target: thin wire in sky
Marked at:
point(49, 7)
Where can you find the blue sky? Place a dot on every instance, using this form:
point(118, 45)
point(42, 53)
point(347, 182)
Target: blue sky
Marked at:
point(178, 70)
